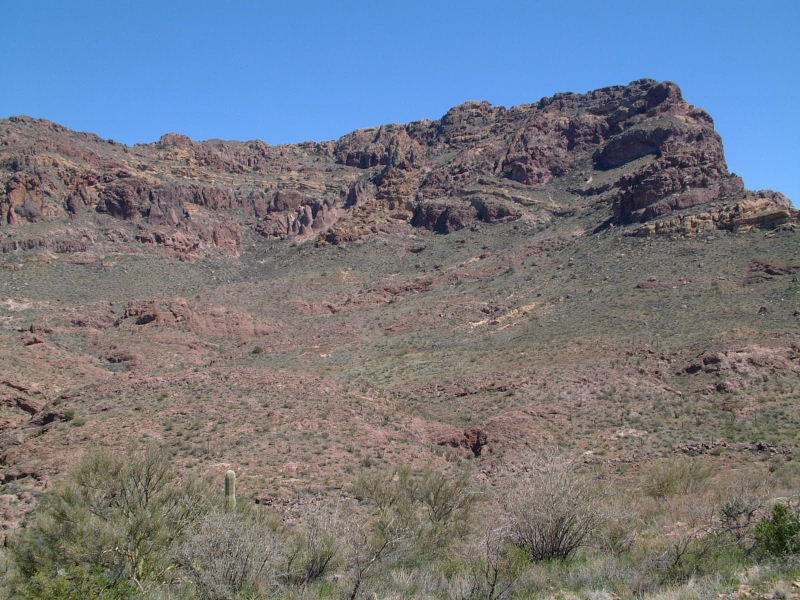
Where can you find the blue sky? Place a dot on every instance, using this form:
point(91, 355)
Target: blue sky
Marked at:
point(314, 70)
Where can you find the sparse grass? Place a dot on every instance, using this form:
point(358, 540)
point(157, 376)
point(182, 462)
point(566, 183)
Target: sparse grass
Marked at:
point(670, 477)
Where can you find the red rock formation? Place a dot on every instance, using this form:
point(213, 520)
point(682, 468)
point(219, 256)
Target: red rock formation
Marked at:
point(654, 156)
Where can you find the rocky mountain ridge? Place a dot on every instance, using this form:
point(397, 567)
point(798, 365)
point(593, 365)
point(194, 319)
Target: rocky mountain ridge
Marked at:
point(640, 155)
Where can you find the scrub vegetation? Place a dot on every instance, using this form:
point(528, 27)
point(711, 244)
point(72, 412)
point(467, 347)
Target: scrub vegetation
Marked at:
point(548, 527)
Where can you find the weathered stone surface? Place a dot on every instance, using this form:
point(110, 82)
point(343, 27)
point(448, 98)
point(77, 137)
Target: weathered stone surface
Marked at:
point(474, 440)
point(641, 150)
point(444, 217)
point(764, 209)
point(211, 321)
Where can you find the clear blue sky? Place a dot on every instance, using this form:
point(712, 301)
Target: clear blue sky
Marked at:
point(314, 70)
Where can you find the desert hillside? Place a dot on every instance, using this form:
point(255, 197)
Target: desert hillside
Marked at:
point(582, 273)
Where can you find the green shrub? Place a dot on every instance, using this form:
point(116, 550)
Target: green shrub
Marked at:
point(113, 515)
point(77, 583)
point(433, 508)
point(695, 554)
point(311, 553)
point(779, 534)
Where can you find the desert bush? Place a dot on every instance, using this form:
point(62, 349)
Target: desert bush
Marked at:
point(552, 510)
point(622, 521)
point(387, 490)
point(737, 515)
point(119, 529)
point(441, 497)
point(485, 568)
point(115, 516)
point(7, 573)
point(617, 537)
point(369, 547)
point(229, 555)
point(311, 553)
point(445, 499)
point(694, 553)
point(495, 567)
point(672, 476)
point(432, 508)
point(76, 583)
point(779, 534)
point(693, 545)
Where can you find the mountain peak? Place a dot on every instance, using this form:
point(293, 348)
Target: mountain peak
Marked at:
point(651, 162)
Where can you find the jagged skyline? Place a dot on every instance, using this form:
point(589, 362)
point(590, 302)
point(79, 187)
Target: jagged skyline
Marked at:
point(318, 70)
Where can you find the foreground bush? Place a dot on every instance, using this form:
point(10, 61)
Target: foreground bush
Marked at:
point(230, 555)
point(76, 583)
point(553, 510)
point(119, 518)
point(133, 529)
point(779, 534)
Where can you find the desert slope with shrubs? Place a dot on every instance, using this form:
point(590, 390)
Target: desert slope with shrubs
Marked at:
point(548, 528)
point(387, 337)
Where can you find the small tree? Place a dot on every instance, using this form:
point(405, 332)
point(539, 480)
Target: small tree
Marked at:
point(738, 513)
point(495, 567)
point(368, 546)
point(432, 507)
point(116, 516)
point(76, 584)
point(311, 553)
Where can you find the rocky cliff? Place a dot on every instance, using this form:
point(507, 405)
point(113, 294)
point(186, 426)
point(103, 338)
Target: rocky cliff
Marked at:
point(639, 156)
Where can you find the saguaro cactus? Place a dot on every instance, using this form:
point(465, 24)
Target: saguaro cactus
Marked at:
point(230, 491)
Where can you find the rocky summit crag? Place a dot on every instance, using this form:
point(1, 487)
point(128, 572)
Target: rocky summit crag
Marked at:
point(640, 153)
point(605, 285)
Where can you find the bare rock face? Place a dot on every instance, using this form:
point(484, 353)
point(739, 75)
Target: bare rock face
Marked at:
point(474, 440)
point(754, 210)
point(654, 160)
point(445, 217)
point(210, 321)
point(390, 145)
point(307, 219)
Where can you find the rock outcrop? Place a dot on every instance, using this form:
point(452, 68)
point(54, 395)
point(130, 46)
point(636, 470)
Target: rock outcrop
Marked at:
point(651, 158)
point(208, 321)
